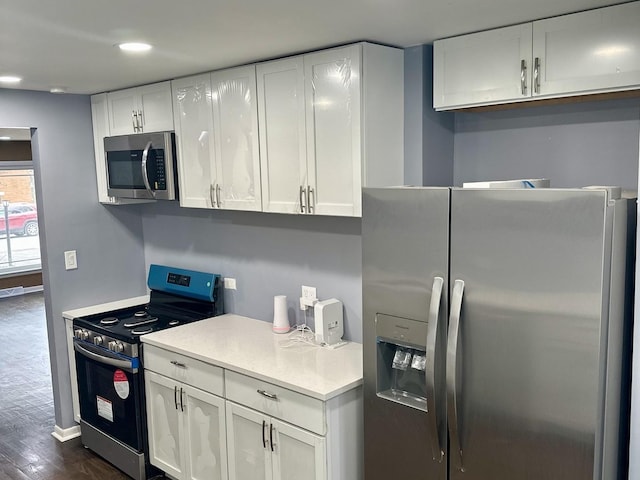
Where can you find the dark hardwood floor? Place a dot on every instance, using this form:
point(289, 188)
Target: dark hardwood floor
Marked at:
point(27, 449)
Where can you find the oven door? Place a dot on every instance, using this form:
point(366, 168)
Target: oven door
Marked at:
point(110, 389)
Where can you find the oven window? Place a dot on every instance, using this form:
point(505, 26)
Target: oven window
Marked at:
point(111, 400)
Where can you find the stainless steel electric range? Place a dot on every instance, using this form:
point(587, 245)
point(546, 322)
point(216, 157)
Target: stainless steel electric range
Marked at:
point(109, 369)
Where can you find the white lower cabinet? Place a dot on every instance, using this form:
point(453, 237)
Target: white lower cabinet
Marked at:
point(187, 432)
point(186, 424)
point(262, 447)
point(258, 431)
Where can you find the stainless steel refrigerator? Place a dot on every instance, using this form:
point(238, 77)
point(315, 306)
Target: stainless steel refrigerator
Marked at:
point(494, 324)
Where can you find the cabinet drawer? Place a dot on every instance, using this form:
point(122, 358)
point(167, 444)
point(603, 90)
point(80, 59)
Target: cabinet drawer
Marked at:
point(282, 403)
point(184, 369)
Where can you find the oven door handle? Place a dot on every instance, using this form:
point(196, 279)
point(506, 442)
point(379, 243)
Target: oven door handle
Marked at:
point(114, 362)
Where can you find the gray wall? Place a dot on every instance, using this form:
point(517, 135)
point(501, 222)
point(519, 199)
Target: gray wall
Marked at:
point(108, 240)
point(592, 143)
point(429, 135)
point(268, 254)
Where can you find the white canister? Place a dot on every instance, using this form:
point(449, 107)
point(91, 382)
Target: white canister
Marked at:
point(280, 317)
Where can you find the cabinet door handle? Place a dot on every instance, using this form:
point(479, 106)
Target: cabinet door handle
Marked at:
point(175, 396)
point(181, 400)
point(212, 195)
point(264, 393)
point(264, 438)
point(178, 364)
point(302, 195)
point(536, 75)
point(523, 77)
point(271, 436)
point(311, 200)
point(140, 120)
point(218, 188)
point(134, 120)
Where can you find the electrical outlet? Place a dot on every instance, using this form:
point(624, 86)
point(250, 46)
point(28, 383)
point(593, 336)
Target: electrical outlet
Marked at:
point(70, 260)
point(308, 292)
point(230, 283)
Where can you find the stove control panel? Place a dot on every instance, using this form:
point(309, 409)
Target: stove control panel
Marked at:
point(115, 346)
point(106, 342)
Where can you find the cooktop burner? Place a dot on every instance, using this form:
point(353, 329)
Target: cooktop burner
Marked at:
point(140, 314)
point(109, 321)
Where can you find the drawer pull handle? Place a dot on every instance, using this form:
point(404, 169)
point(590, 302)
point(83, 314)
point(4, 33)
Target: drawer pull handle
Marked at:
point(272, 396)
point(178, 364)
point(175, 396)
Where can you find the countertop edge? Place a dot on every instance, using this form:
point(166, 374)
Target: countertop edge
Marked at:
point(105, 307)
point(251, 373)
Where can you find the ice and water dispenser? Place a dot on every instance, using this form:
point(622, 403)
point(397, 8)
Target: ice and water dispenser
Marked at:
point(401, 360)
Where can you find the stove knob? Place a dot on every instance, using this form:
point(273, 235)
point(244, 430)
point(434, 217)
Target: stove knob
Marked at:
point(119, 347)
point(84, 335)
point(97, 340)
point(77, 333)
point(112, 346)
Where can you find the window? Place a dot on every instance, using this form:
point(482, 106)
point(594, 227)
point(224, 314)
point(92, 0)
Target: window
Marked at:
point(19, 240)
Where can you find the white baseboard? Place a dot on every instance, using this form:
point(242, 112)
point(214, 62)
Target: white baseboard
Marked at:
point(15, 291)
point(64, 434)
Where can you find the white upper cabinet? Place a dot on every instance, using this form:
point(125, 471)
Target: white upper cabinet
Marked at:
point(235, 123)
point(583, 53)
point(283, 148)
point(594, 51)
point(140, 109)
point(483, 67)
point(331, 122)
point(334, 160)
point(193, 118)
point(100, 121)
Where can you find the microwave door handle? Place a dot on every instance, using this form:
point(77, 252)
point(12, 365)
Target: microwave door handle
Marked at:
point(433, 332)
point(145, 173)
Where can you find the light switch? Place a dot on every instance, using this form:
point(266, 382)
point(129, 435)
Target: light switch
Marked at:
point(70, 260)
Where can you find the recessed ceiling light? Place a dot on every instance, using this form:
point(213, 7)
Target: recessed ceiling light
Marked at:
point(134, 47)
point(5, 138)
point(58, 90)
point(10, 79)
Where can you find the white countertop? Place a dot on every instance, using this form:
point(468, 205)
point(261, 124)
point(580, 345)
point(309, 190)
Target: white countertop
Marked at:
point(249, 346)
point(105, 307)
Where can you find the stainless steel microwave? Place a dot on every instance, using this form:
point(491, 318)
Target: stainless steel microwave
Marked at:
point(142, 166)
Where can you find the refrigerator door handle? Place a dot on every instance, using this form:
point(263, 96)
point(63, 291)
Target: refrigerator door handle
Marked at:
point(452, 366)
point(430, 370)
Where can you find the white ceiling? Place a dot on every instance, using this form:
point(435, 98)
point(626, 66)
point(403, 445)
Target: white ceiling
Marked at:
point(70, 43)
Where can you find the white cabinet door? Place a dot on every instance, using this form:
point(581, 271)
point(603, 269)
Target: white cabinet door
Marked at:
point(235, 121)
point(248, 444)
point(141, 109)
point(154, 104)
point(206, 452)
point(332, 92)
point(123, 106)
point(166, 437)
point(485, 67)
point(597, 50)
point(283, 149)
point(298, 454)
point(193, 118)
